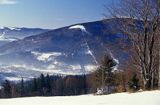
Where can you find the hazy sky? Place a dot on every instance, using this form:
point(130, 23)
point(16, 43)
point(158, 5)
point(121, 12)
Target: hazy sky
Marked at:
point(50, 13)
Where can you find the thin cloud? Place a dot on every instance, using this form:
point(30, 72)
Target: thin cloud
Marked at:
point(8, 2)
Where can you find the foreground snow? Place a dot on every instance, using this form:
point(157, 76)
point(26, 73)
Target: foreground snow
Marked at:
point(142, 98)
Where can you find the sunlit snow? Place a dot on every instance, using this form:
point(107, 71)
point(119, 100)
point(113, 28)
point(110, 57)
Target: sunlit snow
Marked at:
point(141, 98)
point(14, 28)
point(45, 56)
point(78, 27)
point(3, 38)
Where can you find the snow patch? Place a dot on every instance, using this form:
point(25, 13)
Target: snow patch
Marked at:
point(116, 61)
point(1, 87)
point(2, 28)
point(81, 27)
point(45, 56)
point(65, 69)
point(2, 35)
point(3, 38)
point(14, 79)
point(117, 64)
point(91, 53)
point(76, 67)
point(90, 67)
point(14, 28)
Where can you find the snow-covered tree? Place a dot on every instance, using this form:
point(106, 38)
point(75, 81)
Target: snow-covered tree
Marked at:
point(104, 76)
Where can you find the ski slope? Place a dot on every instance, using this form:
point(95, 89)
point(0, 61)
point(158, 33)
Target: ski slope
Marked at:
point(141, 98)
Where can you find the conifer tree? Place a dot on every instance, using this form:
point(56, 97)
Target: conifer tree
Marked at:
point(48, 83)
point(22, 88)
point(104, 74)
point(35, 85)
point(7, 89)
point(42, 85)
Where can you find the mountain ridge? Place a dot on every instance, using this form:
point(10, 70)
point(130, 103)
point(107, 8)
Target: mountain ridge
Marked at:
point(9, 34)
point(72, 50)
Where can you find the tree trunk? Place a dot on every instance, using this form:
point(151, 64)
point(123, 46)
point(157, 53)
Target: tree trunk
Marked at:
point(159, 68)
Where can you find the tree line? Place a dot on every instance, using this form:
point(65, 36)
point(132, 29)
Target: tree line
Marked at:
point(46, 86)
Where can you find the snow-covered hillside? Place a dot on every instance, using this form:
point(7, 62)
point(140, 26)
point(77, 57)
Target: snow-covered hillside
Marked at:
point(142, 98)
point(71, 50)
point(10, 34)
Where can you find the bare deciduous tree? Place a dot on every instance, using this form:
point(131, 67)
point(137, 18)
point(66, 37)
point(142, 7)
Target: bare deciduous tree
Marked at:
point(142, 28)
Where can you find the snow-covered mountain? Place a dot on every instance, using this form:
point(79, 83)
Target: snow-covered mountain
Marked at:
point(75, 49)
point(9, 34)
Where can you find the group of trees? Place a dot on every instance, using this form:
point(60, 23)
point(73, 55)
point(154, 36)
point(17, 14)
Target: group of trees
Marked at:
point(141, 26)
point(47, 86)
point(104, 78)
point(109, 80)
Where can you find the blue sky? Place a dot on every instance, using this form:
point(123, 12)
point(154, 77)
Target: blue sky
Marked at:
point(50, 13)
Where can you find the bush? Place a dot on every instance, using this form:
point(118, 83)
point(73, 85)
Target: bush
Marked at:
point(134, 83)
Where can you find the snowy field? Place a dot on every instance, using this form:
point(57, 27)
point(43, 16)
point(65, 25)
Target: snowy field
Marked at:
point(141, 98)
